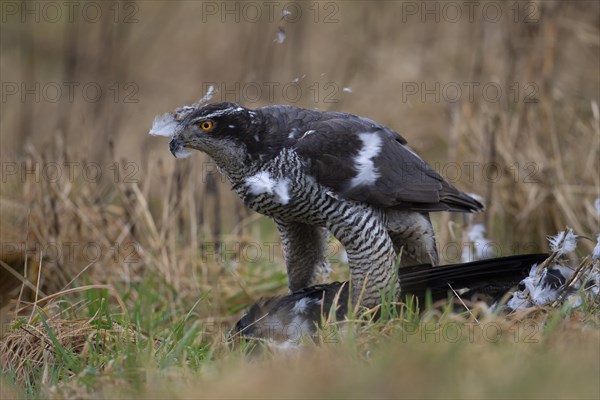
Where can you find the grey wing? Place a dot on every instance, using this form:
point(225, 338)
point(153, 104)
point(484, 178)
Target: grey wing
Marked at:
point(364, 161)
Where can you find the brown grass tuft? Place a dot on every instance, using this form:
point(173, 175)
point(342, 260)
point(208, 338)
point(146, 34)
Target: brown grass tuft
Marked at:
point(33, 344)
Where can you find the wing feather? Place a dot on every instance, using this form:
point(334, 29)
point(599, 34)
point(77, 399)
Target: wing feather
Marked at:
point(403, 179)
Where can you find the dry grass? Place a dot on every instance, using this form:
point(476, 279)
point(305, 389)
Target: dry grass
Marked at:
point(473, 355)
point(34, 347)
point(52, 331)
point(157, 223)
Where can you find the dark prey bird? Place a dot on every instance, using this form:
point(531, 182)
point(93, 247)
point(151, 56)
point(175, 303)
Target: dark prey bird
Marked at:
point(316, 172)
point(287, 318)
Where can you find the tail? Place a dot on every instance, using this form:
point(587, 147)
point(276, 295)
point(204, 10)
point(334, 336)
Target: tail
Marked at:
point(303, 309)
point(494, 276)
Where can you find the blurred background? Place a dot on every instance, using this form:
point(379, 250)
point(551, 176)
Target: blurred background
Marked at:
point(500, 97)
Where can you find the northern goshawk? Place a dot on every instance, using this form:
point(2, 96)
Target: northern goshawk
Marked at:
point(315, 172)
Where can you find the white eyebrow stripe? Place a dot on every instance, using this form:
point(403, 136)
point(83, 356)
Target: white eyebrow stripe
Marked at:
point(220, 113)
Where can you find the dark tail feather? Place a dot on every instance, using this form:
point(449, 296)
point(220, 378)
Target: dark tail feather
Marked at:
point(493, 276)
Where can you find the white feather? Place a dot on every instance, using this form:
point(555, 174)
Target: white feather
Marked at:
point(280, 36)
point(281, 189)
point(183, 153)
point(539, 292)
point(563, 243)
point(164, 125)
point(224, 111)
point(479, 247)
point(301, 306)
point(262, 183)
point(594, 279)
point(537, 289)
point(519, 301)
point(210, 92)
point(596, 252)
point(367, 172)
point(307, 133)
point(533, 292)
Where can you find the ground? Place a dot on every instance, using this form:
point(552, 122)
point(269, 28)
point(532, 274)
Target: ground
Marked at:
point(140, 264)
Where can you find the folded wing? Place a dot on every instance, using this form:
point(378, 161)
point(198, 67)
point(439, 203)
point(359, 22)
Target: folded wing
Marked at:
point(365, 161)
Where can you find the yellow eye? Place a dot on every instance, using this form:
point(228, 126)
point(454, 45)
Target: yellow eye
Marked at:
point(206, 125)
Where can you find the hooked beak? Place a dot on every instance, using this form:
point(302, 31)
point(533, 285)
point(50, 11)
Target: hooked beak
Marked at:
point(168, 125)
point(177, 148)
